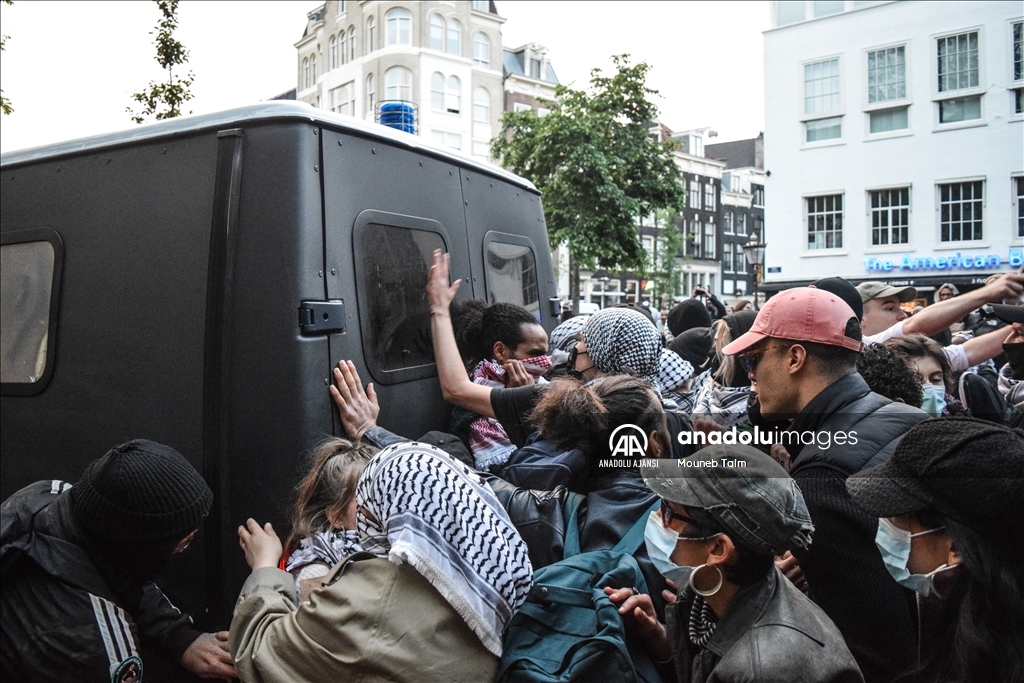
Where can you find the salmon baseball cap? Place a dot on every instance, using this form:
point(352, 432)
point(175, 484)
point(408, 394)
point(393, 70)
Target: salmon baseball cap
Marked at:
point(802, 314)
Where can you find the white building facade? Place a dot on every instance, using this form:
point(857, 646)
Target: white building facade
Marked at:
point(894, 141)
point(443, 57)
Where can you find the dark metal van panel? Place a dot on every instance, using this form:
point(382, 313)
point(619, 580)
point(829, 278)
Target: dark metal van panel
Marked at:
point(133, 298)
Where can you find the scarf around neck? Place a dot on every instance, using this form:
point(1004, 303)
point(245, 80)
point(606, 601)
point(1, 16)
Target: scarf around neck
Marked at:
point(437, 515)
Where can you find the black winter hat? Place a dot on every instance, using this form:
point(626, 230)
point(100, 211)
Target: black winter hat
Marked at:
point(141, 490)
point(694, 346)
point(688, 315)
point(845, 291)
point(969, 470)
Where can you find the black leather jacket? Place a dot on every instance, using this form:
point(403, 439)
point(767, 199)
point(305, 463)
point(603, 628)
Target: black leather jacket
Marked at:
point(770, 632)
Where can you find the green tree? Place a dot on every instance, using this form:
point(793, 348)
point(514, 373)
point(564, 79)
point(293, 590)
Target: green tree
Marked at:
point(164, 100)
point(665, 267)
point(5, 103)
point(594, 162)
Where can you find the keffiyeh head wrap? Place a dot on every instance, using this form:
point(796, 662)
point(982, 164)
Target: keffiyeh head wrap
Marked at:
point(622, 341)
point(441, 518)
point(564, 336)
point(673, 371)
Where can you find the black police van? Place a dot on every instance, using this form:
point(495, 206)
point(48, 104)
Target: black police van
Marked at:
point(194, 282)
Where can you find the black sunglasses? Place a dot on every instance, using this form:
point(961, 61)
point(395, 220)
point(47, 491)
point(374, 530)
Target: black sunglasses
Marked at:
point(749, 361)
point(668, 514)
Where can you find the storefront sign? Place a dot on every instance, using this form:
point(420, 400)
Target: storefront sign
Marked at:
point(909, 262)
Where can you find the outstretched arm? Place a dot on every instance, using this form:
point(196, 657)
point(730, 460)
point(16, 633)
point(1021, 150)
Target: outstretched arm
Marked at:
point(939, 316)
point(456, 387)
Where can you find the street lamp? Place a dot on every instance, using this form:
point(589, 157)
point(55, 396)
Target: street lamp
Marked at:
point(604, 291)
point(754, 251)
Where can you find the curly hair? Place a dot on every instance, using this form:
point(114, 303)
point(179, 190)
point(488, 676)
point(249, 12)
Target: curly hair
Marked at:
point(478, 327)
point(887, 373)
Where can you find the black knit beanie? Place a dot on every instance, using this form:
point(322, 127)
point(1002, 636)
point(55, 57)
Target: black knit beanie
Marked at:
point(688, 315)
point(141, 490)
point(694, 345)
point(845, 291)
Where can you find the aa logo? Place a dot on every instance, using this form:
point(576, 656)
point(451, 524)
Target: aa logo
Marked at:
point(628, 441)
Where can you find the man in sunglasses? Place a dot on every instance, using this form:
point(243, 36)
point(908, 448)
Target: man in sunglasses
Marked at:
point(801, 355)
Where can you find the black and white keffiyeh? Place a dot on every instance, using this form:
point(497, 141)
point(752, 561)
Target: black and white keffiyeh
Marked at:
point(564, 336)
point(673, 371)
point(329, 547)
point(623, 341)
point(440, 517)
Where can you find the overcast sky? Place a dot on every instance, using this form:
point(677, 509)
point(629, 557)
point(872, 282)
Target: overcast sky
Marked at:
point(70, 67)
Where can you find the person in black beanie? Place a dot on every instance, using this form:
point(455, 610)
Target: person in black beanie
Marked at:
point(688, 315)
point(78, 601)
point(949, 504)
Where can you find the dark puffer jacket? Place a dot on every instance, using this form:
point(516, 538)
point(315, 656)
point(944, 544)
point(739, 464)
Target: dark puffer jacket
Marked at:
point(844, 569)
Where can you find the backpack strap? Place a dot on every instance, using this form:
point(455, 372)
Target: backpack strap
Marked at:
point(630, 543)
point(571, 514)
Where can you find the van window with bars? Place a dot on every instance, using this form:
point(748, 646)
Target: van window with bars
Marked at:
point(512, 276)
point(26, 281)
point(396, 261)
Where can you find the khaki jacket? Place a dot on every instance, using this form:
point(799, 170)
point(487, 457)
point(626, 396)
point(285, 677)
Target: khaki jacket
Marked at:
point(371, 620)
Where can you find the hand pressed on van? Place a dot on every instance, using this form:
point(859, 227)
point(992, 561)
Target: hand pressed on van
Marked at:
point(358, 410)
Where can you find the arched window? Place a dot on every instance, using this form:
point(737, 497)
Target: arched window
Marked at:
point(398, 27)
point(351, 43)
point(304, 81)
point(343, 39)
point(371, 35)
point(437, 91)
point(398, 84)
point(437, 29)
point(312, 70)
point(371, 94)
point(453, 97)
point(454, 45)
point(481, 106)
point(332, 53)
point(481, 49)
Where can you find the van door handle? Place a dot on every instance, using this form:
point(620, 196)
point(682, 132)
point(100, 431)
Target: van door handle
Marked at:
point(321, 317)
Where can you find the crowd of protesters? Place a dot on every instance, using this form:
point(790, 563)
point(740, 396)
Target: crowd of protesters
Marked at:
point(894, 553)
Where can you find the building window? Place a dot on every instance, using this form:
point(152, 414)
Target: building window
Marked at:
point(520, 107)
point(888, 120)
point(481, 149)
point(398, 84)
point(453, 98)
point(371, 93)
point(890, 216)
point(454, 44)
point(437, 91)
point(535, 68)
point(351, 43)
point(343, 99)
point(690, 243)
point(305, 73)
point(482, 5)
point(453, 140)
point(332, 53)
point(741, 223)
point(312, 70)
point(343, 44)
point(823, 8)
point(825, 222)
point(821, 96)
point(887, 75)
point(727, 252)
point(958, 69)
point(1018, 184)
point(727, 222)
point(709, 196)
point(759, 227)
point(341, 6)
point(398, 23)
point(741, 260)
point(709, 240)
point(960, 211)
point(758, 196)
point(481, 49)
point(1018, 67)
point(437, 32)
point(371, 35)
point(481, 106)
point(693, 198)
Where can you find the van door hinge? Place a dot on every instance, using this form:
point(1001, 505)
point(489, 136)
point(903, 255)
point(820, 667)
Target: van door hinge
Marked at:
point(321, 317)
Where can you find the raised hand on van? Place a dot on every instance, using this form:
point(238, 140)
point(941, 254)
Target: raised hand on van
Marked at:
point(358, 410)
point(439, 293)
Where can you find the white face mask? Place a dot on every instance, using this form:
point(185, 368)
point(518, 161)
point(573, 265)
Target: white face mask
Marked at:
point(894, 545)
point(933, 398)
point(661, 543)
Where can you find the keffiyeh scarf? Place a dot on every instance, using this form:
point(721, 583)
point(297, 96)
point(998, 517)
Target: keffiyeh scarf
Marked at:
point(435, 514)
point(673, 373)
point(623, 341)
point(487, 438)
point(329, 547)
point(727, 406)
point(564, 337)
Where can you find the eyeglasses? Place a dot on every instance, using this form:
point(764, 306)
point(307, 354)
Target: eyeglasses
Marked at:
point(575, 353)
point(668, 514)
point(749, 361)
